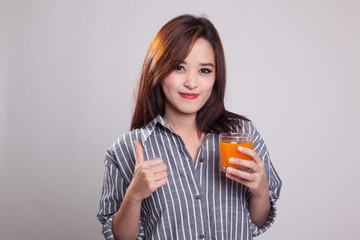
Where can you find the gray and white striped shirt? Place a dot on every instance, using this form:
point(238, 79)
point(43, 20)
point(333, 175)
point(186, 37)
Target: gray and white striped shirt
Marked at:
point(198, 201)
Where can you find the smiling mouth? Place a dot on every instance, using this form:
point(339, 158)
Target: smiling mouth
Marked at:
point(189, 95)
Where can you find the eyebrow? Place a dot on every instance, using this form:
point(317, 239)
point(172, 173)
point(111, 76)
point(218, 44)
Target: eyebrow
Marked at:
point(207, 64)
point(203, 64)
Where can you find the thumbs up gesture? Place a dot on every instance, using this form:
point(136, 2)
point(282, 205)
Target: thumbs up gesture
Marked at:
point(148, 175)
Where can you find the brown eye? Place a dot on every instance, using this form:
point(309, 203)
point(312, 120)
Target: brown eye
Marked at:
point(179, 68)
point(205, 70)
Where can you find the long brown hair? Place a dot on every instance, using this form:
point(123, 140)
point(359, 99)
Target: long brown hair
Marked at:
point(168, 49)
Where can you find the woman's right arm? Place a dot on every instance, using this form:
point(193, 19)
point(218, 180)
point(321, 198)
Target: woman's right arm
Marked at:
point(125, 224)
point(148, 176)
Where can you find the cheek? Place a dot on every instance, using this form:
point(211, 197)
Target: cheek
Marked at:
point(168, 88)
point(209, 90)
point(168, 83)
point(210, 86)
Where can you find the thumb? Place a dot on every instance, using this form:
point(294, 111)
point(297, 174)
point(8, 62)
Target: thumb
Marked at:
point(139, 153)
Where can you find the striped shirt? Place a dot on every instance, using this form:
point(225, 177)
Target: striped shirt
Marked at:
point(198, 201)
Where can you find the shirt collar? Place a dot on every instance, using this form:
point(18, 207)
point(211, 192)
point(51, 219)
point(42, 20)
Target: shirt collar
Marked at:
point(151, 126)
point(157, 122)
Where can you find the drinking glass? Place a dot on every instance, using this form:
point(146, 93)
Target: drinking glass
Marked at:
point(228, 148)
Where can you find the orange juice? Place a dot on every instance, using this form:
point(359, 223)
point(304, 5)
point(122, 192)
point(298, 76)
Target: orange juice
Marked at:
point(229, 149)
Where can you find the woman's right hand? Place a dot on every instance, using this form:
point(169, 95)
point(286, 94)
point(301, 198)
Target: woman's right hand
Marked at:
point(148, 175)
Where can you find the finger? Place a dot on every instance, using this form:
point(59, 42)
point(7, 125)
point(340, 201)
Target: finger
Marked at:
point(237, 179)
point(160, 183)
point(159, 168)
point(156, 184)
point(153, 163)
point(160, 175)
point(139, 153)
point(250, 153)
point(240, 174)
point(245, 163)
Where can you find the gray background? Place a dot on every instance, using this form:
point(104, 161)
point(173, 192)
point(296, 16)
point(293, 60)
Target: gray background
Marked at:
point(68, 71)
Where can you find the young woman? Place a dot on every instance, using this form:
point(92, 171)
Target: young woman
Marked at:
point(163, 179)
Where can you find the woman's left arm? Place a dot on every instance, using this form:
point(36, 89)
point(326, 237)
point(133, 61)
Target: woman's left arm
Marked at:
point(259, 205)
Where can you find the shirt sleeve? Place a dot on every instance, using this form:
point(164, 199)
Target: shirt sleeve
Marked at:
point(111, 196)
point(273, 179)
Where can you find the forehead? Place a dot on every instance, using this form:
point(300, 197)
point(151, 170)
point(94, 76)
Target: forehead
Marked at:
point(202, 51)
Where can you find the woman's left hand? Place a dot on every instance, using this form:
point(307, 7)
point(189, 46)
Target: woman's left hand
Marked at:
point(254, 180)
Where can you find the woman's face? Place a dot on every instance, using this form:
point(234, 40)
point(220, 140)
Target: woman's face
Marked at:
point(189, 85)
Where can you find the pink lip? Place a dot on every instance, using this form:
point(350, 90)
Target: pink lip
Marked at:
point(189, 95)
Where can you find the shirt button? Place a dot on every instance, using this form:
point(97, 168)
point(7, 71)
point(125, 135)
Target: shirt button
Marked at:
point(197, 197)
point(201, 159)
point(202, 236)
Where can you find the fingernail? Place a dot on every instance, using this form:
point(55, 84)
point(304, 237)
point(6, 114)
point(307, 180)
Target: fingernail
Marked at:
point(231, 160)
point(240, 148)
point(228, 169)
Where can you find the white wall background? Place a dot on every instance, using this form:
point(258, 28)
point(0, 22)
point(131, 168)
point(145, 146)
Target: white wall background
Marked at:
point(68, 70)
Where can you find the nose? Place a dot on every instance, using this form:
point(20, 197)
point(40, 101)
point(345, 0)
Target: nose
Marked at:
point(191, 81)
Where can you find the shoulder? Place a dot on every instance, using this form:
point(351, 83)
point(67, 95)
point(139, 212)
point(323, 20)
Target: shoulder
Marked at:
point(123, 147)
point(243, 125)
point(247, 126)
point(122, 150)
point(126, 141)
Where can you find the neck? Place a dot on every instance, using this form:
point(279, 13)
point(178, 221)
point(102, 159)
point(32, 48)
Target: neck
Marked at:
point(182, 123)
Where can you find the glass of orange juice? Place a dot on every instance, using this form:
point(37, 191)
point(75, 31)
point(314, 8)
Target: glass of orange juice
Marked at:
point(228, 147)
